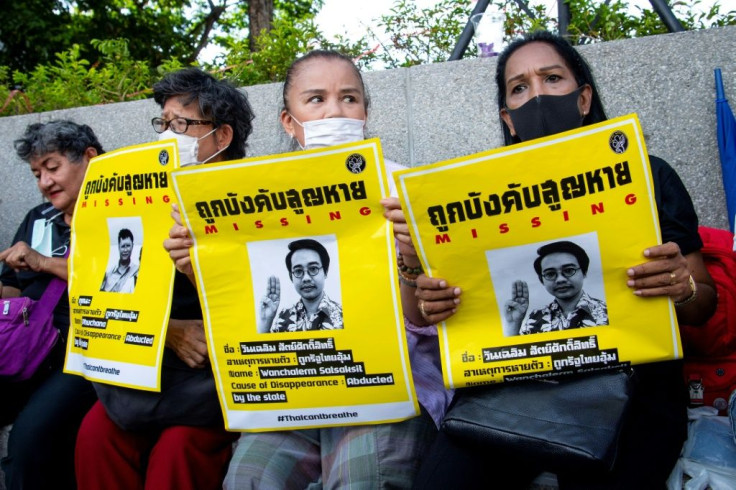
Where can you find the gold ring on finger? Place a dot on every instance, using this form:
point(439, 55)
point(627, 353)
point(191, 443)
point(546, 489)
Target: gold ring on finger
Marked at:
point(672, 278)
point(421, 308)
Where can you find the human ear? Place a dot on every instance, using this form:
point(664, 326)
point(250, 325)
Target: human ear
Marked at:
point(224, 136)
point(90, 152)
point(506, 117)
point(88, 155)
point(287, 122)
point(585, 100)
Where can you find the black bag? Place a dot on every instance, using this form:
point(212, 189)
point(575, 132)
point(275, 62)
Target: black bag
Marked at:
point(188, 397)
point(565, 423)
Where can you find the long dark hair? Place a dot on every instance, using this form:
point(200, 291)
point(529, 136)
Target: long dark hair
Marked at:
point(574, 60)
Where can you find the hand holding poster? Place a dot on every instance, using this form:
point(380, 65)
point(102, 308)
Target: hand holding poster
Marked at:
point(295, 266)
point(540, 237)
point(120, 295)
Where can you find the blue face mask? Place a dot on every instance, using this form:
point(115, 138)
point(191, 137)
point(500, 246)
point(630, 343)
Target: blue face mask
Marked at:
point(545, 115)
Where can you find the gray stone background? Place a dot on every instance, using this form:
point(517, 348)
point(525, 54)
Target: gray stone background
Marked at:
point(435, 112)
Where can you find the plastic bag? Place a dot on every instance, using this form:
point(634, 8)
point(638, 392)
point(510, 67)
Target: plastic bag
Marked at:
point(708, 458)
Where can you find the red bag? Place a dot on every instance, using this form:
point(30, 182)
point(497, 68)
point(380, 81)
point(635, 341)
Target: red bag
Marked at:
point(717, 337)
point(711, 381)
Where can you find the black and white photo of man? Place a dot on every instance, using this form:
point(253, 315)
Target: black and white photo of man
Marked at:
point(122, 277)
point(307, 264)
point(561, 267)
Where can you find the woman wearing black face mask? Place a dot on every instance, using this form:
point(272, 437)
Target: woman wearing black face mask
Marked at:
point(546, 87)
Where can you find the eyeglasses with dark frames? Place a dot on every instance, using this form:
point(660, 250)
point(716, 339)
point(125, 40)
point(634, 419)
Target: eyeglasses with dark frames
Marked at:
point(568, 272)
point(178, 125)
point(312, 270)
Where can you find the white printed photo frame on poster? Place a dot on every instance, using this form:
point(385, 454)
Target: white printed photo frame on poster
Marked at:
point(269, 260)
point(508, 266)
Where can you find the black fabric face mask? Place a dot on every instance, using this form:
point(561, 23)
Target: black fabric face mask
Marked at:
point(545, 115)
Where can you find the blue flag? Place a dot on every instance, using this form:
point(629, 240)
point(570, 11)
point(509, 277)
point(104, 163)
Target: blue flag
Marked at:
point(726, 129)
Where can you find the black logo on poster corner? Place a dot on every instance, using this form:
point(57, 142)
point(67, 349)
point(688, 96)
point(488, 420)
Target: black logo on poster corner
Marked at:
point(163, 157)
point(355, 163)
point(618, 142)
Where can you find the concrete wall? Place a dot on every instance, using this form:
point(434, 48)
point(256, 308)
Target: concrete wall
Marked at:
point(430, 113)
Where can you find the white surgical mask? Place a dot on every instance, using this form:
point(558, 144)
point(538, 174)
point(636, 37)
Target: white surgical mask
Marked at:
point(331, 131)
point(42, 236)
point(188, 147)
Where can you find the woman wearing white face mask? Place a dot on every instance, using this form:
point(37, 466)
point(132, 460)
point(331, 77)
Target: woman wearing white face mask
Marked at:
point(322, 110)
point(176, 438)
point(209, 120)
point(325, 104)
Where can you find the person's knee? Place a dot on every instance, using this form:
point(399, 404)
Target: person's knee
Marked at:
point(199, 439)
point(287, 459)
point(383, 455)
point(29, 435)
point(95, 427)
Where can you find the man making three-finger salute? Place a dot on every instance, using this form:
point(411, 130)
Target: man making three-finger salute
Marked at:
point(307, 263)
point(562, 268)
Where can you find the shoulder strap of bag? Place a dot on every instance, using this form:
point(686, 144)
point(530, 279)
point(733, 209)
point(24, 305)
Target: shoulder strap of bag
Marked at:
point(51, 296)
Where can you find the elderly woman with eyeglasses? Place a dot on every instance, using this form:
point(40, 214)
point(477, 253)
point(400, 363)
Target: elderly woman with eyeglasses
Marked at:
point(134, 439)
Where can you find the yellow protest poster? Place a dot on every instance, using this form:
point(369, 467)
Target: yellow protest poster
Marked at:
point(295, 267)
point(527, 229)
point(120, 276)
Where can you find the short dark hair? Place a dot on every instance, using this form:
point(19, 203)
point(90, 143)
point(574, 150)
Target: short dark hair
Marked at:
point(308, 243)
point(125, 233)
point(561, 247)
point(66, 137)
point(576, 63)
point(217, 100)
point(324, 54)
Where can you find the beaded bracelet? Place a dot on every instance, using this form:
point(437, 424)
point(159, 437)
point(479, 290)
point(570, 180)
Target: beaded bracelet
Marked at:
point(404, 279)
point(413, 271)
